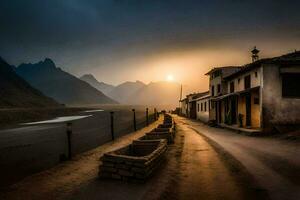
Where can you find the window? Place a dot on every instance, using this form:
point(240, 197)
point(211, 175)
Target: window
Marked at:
point(213, 90)
point(231, 86)
point(209, 104)
point(247, 82)
point(255, 74)
point(217, 73)
point(239, 81)
point(201, 107)
point(198, 107)
point(205, 106)
point(290, 85)
point(219, 88)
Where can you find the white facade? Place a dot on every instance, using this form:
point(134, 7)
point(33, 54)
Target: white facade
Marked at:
point(203, 108)
point(239, 83)
point(184, 107)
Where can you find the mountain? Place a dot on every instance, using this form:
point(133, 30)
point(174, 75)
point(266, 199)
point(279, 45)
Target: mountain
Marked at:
point(60, 85)
point(124, 91)
point(157, 93)
point(103, 87)
point(16, 92)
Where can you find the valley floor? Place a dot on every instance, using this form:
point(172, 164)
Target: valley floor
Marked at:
point(194, 169)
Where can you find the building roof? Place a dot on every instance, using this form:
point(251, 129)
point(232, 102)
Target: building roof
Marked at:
point(198, 95)
point(223, 68)
point(183, 99)
point(203, 97)
point(287, 59)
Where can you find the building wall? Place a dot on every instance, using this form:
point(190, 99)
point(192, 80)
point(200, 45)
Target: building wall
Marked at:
point(255, 110)
point(242, 108)
point(184, 108)
point(214, 82)
point(203, 115)
point(212, 111)
point(239, 85)
point(277, 109)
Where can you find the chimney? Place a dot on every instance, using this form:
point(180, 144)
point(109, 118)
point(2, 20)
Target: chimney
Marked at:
point(255, 52)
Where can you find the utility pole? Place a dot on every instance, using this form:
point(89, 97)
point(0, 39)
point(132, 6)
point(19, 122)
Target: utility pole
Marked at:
point(134, 120)
point(180, 98)
point(69, 137)
point(147, 117)
point(112, 125)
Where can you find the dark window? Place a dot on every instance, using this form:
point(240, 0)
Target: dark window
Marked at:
point(209, 104)
point(290, 85)
point(231, 86)
point(217, 73)
point(247, 82)
point(201, 107)
point(198, 107)
point(239, 80)
point(255, 74)
point(205, 106)
point(213, 90)
point(219, 88)
point(256, 100)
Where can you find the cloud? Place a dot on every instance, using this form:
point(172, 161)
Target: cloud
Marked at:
point(90, 35)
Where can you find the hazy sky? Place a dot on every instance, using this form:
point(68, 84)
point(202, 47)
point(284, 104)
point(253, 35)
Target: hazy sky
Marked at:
point(146, 39)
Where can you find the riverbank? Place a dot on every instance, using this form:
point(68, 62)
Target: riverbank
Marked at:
point(12, 118)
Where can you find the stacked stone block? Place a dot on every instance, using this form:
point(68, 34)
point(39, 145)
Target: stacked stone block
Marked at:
point(136, 161)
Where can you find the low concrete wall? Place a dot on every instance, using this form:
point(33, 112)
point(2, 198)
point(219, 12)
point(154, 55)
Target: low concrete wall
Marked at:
point(136, 161)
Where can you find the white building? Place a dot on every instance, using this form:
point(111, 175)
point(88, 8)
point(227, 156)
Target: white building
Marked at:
point(203, 105)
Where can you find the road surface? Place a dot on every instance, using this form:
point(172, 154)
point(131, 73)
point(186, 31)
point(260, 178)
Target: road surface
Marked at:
point(274, 163)
point(193, 170)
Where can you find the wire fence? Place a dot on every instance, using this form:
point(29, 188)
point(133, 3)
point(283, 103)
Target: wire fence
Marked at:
point(40, 147)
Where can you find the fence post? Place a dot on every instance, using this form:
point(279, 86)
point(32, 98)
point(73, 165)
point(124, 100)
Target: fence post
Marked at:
point(147, 117)
point(69, 136)
point(134, 120)
point(112, 125)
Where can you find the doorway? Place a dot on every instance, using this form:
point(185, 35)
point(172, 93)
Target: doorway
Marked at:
point(233, 106)
point(248, 110)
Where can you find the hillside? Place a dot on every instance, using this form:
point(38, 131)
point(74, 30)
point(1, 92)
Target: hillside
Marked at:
point(101, 86)
point(60, 85)
point(15, 92)
point(123, 92)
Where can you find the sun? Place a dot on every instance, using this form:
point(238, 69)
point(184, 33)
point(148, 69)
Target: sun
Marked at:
point(170, 77)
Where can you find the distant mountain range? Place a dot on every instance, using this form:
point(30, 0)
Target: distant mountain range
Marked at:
point(138, 93)
point(125, 91)
point(16, 92)
point(60, 85)
point(103, 87)
point(157, 93)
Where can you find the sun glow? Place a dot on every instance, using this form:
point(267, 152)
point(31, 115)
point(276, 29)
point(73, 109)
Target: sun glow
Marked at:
point(170, 77)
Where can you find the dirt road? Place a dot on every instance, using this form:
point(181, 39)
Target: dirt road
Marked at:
point(193, 170)
point(273, 163)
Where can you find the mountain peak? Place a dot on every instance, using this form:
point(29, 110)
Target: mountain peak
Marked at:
point(48, 63)
point(2, 60)
point(88, 76)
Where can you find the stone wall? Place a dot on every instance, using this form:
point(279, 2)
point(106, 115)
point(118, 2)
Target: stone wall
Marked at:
point(136, 161)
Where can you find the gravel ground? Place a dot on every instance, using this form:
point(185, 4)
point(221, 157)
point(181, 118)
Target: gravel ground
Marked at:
point(194, 169)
